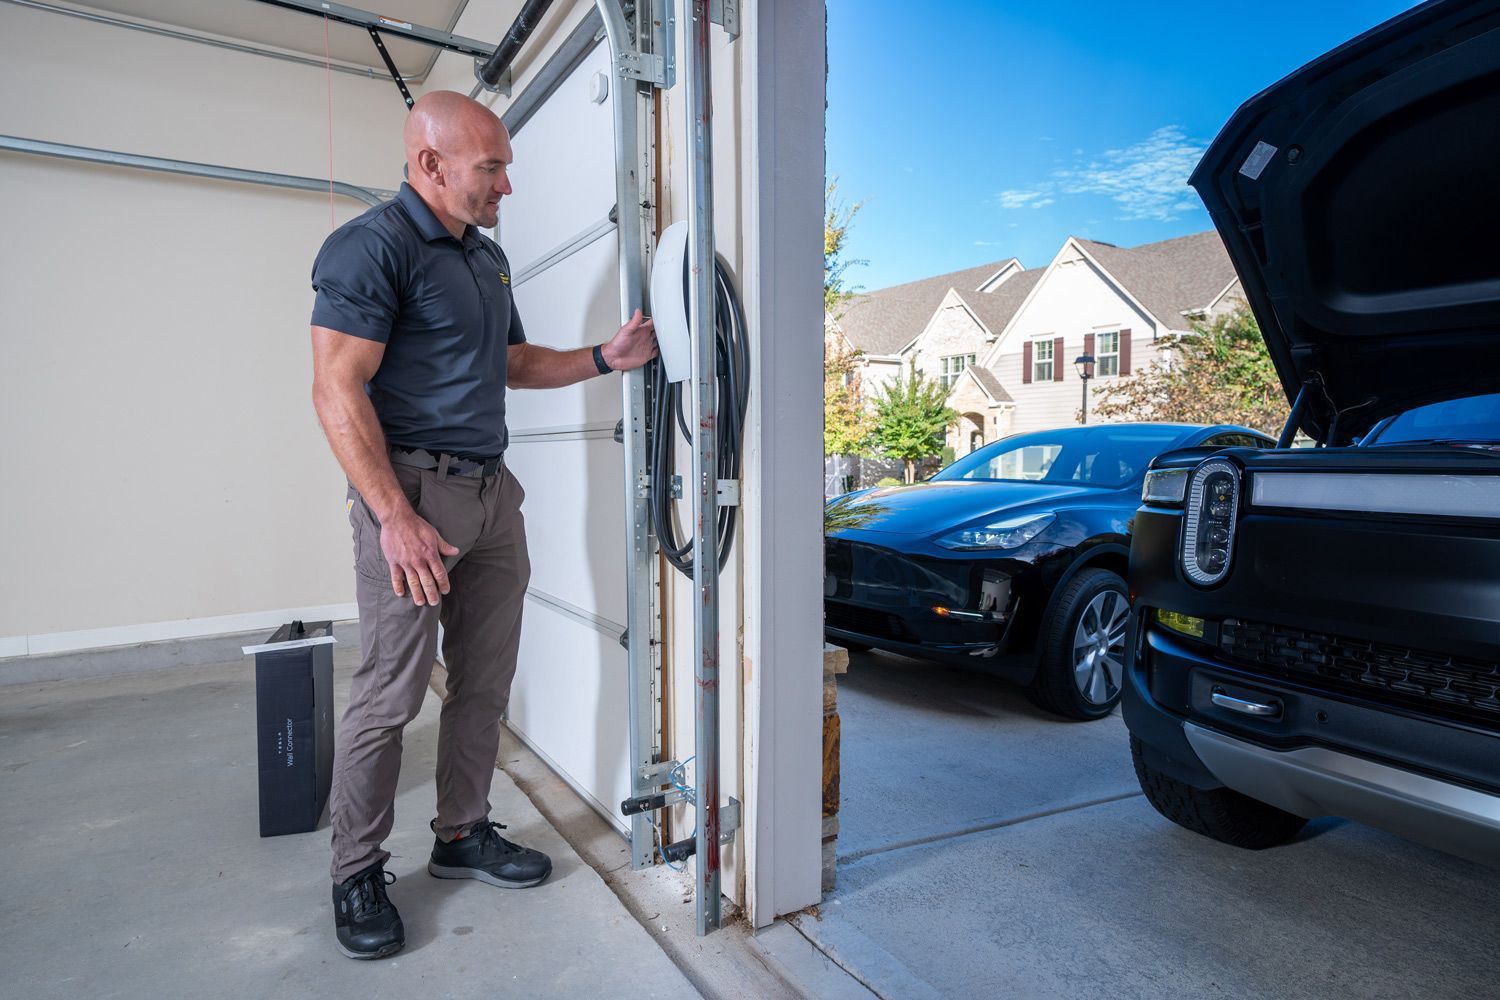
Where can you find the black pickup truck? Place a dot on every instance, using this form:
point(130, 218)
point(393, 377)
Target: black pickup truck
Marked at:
point(1316, 631)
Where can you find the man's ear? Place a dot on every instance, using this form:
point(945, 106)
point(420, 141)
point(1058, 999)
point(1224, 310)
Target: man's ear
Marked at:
point(431, 165)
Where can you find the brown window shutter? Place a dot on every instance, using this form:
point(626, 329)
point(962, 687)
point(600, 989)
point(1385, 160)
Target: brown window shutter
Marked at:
point(1124, 352)
point(1057, 357)
point(1026, 362)
point(1088, 346)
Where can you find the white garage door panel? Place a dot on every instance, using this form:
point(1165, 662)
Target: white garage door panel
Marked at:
point(564, 171)
point(575, 522)
point(568, 701)
point(573, 304)
point(571, 692)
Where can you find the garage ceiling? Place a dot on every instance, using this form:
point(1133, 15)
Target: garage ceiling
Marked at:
point(260, 24)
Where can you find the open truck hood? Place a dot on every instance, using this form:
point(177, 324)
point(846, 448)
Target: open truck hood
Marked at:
point(1359, 199)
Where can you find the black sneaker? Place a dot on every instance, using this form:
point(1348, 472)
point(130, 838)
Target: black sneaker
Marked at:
point(366, 923)
point(480, 852)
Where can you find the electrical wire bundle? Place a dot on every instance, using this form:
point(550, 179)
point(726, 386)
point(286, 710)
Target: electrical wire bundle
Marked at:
point(732, 390)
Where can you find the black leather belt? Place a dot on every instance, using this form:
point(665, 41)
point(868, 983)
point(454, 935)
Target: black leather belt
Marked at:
point(452, 465)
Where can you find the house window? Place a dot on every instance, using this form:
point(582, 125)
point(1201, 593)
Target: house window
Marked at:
point(953, 367)
point(1041, 360)
point(1107, 354)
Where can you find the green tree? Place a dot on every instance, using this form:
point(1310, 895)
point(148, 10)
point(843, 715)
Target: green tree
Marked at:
point(837, 220)
point(846, 418)
point(1219, 373)
point(911, 419)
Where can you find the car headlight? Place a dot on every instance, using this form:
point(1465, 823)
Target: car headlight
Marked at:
point(1165, 486)
point(1011, 533)
point(1213, 498)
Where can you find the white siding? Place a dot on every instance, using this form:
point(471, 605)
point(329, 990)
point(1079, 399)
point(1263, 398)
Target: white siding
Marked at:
point(877, 373)
point(1074, 299)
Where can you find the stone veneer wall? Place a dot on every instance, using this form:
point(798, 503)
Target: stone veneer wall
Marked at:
point(835, 662)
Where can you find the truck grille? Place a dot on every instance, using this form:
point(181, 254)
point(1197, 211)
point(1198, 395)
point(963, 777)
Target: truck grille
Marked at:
point(1436, 682)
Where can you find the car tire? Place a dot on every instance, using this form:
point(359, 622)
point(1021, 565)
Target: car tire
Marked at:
point(1220, 813)
point(1056, 686)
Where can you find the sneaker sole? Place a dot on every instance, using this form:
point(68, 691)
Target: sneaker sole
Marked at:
point(389, 949)
point(440, 871)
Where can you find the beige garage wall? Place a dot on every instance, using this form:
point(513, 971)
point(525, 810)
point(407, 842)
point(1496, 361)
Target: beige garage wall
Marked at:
point(161, 468)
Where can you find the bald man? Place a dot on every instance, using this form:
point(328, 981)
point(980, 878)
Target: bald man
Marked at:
point(415, 338)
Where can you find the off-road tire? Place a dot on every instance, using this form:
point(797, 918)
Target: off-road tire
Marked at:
point(1053, 688)
point(1223, 814)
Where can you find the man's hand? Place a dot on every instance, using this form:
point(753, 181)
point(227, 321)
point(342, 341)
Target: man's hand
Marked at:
point(414, 550)
point(633, 346)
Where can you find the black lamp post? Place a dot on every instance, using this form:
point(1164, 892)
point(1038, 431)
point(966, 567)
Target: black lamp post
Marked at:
point(1084, 364)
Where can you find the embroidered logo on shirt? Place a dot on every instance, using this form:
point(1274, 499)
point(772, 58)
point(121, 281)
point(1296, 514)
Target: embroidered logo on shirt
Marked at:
point(504, 278)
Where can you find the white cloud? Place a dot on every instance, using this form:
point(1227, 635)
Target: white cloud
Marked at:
point(1026, 199)
point(1147, 180)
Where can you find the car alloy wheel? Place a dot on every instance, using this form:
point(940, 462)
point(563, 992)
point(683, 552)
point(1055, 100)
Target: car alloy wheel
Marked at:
point(1099, 647)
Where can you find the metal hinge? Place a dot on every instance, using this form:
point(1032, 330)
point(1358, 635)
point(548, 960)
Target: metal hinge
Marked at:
point(726, 13)
point(644, 66)
point(729, 820)
point(658, 774)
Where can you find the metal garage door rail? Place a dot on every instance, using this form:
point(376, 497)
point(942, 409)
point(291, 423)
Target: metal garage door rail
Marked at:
point(561, 253)
point(603, 626)
point(88, 154)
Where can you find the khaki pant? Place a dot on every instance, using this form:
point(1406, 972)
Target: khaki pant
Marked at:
point(481, 618)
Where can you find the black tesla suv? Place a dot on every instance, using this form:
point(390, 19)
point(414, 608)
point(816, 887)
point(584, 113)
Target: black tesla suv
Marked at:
point(1316, 631)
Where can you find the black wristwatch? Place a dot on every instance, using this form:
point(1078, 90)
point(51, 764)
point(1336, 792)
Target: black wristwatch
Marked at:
point(599, 362)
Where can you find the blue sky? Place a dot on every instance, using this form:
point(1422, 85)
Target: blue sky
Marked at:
point(976, 131)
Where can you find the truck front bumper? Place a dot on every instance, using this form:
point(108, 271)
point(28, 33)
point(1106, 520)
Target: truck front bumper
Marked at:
point(1318, 755)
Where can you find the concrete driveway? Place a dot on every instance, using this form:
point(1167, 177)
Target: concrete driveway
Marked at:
point(987, 849)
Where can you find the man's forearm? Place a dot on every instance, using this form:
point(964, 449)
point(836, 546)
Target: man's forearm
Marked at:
point(533, 367)
point(354, 434)
point(546, 368)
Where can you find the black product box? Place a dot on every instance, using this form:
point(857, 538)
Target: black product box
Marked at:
point(294, 726)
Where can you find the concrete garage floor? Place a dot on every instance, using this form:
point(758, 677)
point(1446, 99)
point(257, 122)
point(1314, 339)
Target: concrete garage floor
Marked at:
point(133, 867)
point(987, 849)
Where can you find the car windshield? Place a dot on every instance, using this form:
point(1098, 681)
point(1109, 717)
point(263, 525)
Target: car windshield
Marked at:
point(1103, 455)
point(1474, 420)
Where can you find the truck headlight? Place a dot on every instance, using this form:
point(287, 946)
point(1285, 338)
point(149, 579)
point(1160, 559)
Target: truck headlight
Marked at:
point(1213, 499)
point(1011, 533)
point(1165, 486)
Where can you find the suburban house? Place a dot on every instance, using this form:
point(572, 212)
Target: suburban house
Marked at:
point(1003, 339)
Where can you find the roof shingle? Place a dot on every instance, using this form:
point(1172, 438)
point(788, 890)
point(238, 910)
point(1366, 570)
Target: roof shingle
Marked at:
point(996, 308)
point(1170, 277)
point(989, 383)
point(884, 321)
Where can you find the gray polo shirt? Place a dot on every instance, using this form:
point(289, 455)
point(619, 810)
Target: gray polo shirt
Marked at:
point(442, 308)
